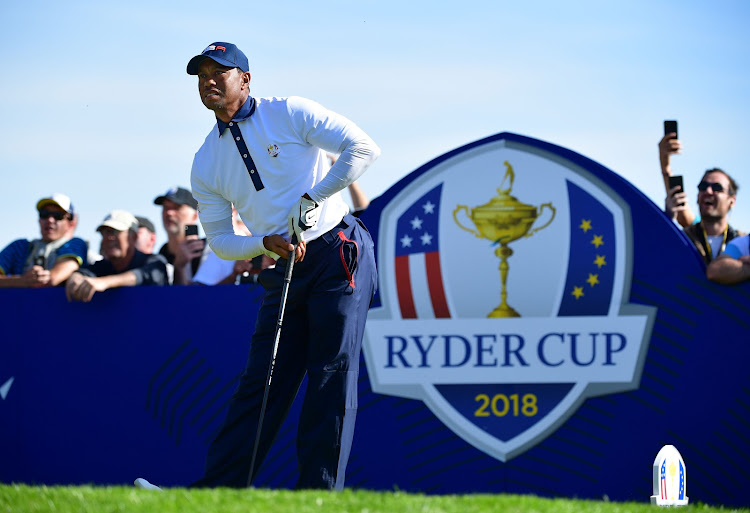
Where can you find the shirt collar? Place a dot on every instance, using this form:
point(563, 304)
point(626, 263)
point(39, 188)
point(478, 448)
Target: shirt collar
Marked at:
point(244, 113)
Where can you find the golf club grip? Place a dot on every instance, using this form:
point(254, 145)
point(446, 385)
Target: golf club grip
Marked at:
point(290, 263)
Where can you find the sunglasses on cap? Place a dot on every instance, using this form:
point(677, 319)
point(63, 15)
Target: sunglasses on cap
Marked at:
point(715, 186)
point(57, 216)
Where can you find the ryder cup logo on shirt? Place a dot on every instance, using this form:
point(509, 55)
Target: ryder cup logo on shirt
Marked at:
point(273, 150)
point(504, 278)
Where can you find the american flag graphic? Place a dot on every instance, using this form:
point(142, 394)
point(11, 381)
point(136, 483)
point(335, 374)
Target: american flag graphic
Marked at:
point(681, 492)
point(419, 280)
point(663, 479)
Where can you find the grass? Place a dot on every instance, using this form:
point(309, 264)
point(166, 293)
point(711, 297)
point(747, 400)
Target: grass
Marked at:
point(85, 499)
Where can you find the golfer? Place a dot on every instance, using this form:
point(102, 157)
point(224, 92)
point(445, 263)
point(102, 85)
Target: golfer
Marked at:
point(267, 157)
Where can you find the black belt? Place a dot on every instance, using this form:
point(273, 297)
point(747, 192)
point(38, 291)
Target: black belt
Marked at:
point(332, 234)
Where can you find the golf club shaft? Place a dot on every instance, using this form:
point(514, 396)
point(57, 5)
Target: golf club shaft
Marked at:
point(276, 338)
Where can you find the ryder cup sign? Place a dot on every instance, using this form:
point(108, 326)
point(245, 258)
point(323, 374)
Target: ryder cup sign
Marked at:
point(504, 282)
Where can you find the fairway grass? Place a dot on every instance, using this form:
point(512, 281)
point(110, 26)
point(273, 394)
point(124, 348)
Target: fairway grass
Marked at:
point(94, 499)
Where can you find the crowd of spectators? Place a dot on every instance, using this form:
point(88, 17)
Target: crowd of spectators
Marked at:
point(126, 254)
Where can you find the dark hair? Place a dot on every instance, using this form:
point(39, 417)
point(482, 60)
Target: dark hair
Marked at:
point(733, 186)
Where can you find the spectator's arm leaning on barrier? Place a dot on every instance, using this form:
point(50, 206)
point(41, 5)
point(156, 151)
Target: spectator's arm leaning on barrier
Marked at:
point(676, 200)
point(733, 265)
point(82, 288)
point(82, 285)
point(71, 256)
point(62, 270)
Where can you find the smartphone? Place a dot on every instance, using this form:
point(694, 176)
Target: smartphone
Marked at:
point(670, 126)
point(675, 181)
point(191, 229)
point(39, 261)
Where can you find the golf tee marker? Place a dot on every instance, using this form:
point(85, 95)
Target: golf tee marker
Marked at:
point(670, 479)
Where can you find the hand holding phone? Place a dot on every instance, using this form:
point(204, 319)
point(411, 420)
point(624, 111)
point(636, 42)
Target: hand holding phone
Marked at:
point(39, 261)
point(191, 229)
point(674, 181)
point(670, 127)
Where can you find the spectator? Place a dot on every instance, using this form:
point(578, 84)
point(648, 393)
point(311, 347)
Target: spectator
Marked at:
point(717, 194)
point(122, 266)
point(146, 235)
point(50, 260)
point(733, 265)
point(184, 253)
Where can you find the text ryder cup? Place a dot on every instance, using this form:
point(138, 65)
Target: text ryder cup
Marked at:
point(503, 350)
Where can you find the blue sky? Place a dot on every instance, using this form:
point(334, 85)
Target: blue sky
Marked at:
point(96, 103)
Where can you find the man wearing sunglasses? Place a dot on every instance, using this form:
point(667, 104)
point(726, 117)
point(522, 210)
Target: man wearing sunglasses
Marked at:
point(51, 259)
point(717, 194)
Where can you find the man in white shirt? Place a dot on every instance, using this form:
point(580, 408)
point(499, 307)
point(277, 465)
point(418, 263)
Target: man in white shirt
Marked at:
point(267, 156)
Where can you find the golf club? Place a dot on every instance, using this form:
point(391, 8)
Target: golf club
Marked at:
point(277, 337)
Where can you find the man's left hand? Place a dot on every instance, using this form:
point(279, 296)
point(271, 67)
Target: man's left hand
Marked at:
point(303, 216)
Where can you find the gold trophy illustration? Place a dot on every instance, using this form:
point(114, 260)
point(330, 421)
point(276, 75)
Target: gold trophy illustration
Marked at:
point(503, 220)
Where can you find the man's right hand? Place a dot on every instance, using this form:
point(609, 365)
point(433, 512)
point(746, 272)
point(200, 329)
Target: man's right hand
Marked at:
point(37, 276)
point(281, 246)
point(190, 248)
point(676, 201)
point(668, 145)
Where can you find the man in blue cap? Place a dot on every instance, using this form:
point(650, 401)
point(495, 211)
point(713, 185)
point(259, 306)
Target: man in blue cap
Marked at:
point(267, 156)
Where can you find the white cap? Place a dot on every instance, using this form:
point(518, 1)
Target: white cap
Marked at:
point(120, 220)
point(61, 200)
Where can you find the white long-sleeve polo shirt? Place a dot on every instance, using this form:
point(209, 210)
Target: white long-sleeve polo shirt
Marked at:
point(288, 139)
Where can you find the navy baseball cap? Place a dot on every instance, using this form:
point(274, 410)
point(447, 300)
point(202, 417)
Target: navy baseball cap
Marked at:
point(225, 54)
point(179, 195)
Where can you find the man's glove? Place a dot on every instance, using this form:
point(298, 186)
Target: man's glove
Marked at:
point(303, 216)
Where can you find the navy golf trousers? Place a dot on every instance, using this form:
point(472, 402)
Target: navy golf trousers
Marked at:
point(327, 304)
